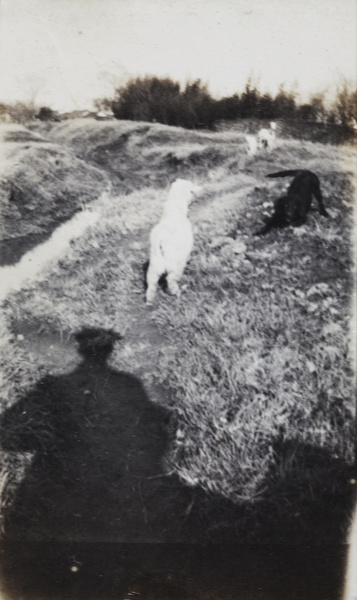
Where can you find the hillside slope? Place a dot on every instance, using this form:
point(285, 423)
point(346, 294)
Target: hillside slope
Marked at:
point(41, 185)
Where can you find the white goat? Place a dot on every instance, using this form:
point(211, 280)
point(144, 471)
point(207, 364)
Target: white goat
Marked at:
point(252, 144)
point(267, 137)
point(171, 240)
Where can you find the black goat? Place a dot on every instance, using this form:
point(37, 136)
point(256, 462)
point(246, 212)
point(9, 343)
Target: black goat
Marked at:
point(292, 209)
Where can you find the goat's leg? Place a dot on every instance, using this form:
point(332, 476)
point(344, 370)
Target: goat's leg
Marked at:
point(172, 284)
point(320, 202)
point(322, 208)
point(173, 277)
point(152, 279)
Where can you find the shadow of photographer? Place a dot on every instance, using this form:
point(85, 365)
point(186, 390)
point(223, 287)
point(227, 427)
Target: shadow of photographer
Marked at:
point(97, 472)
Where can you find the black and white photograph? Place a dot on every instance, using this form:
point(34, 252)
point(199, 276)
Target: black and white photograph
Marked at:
point(178, 300)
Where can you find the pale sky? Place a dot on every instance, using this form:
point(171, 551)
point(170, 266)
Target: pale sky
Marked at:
point(65, 53)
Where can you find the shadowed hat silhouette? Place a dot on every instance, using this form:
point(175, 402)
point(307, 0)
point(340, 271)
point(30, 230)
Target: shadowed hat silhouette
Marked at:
point(96, 343)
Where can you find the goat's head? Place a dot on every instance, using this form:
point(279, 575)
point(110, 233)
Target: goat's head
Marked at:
point(182, 192)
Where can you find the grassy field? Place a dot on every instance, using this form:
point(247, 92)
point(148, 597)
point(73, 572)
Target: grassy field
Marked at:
point(255, 360)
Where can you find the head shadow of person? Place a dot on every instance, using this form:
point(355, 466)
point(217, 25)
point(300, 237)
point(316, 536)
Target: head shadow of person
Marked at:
point(97, 471)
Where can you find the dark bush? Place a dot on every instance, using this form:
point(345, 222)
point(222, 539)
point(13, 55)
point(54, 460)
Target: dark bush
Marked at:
point(345, 107)
point(162, 101)
point(47, 114)
point(284, 104)
point(227, 108)
point(266, 107)
point(249, 102)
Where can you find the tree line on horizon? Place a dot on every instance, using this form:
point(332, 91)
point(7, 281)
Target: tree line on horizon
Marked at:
point(162, 100)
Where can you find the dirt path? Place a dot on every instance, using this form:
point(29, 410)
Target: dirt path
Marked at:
point(141, 326)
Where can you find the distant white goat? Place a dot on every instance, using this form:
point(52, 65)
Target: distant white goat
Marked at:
point(267, 137)
point(252, 144)
point(171, 240)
